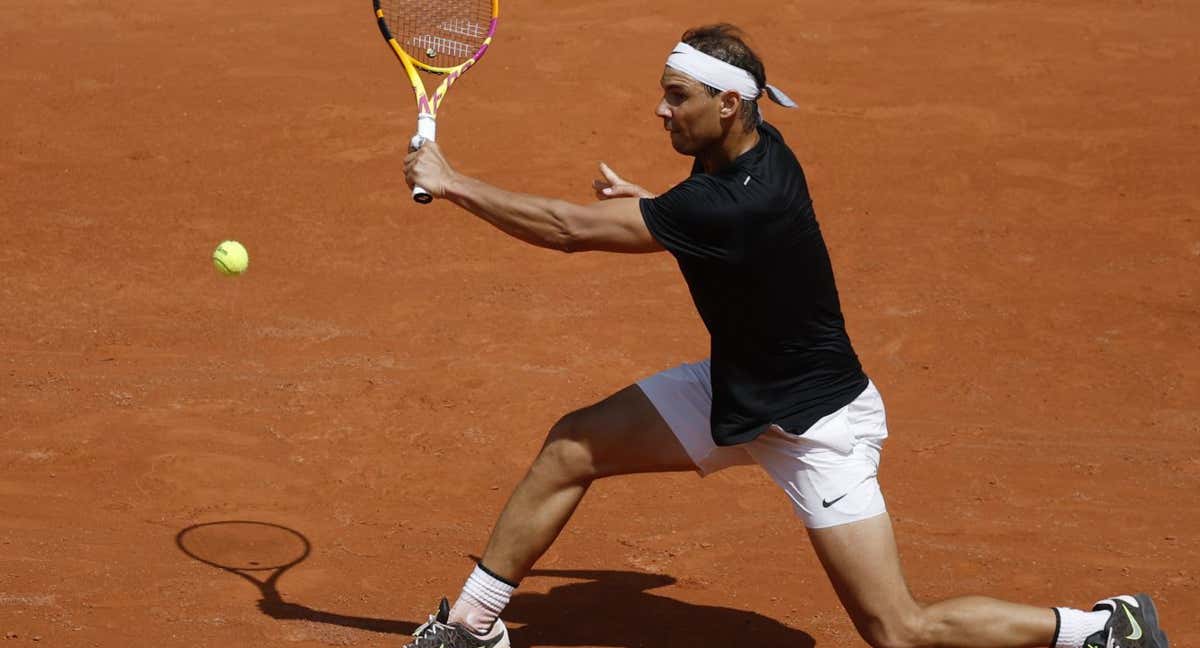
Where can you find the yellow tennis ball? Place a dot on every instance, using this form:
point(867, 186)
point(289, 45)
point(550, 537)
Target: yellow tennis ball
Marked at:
point(231, 258)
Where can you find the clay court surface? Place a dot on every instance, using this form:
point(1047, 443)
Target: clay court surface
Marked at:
point(1008, 190)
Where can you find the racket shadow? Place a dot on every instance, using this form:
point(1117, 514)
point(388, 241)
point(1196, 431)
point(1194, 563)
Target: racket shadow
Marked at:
point(225, 546)
point(276, 608)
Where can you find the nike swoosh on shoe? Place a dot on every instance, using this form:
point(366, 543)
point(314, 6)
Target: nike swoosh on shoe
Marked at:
point(1137, 629)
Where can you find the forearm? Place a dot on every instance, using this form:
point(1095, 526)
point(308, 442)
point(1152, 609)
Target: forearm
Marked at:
point(534, 219)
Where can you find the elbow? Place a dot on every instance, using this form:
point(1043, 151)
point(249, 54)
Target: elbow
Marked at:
point(570, 245)
point(569, 234)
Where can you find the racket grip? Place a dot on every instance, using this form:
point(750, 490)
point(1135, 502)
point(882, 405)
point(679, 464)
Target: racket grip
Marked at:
point(425, 131)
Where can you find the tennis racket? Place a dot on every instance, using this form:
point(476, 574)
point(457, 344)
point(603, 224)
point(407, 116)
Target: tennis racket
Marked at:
point(441, 37)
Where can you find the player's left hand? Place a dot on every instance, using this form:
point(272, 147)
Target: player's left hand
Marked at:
point(428, 168)
point(611, 185)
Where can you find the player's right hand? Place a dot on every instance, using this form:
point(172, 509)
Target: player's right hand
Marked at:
point(611, 185)
point(428, 168)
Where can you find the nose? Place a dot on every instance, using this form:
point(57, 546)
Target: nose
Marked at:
point(662, 109)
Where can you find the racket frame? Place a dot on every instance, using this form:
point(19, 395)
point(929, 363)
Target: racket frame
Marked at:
point(427, 106)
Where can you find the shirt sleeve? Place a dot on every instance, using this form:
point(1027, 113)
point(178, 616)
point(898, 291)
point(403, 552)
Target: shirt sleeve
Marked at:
point(696, 219)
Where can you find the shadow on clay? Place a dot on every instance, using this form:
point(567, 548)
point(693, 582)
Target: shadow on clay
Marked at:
point(597, 608)
point(614, 608)
point(260, 553)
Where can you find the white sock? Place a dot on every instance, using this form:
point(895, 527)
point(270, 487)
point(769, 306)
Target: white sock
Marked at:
point(482, 599)
point(1075, 626)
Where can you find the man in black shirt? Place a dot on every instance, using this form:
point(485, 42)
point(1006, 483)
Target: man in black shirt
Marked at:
point(782, 388)
point(749, 246)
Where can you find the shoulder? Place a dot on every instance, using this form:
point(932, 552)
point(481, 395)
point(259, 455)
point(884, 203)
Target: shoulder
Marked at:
point(776, 151)
point(695, 194)
point(777, 169)
point(697, 218)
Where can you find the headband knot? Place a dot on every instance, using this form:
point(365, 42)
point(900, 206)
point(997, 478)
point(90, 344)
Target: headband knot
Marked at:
point(715, 73)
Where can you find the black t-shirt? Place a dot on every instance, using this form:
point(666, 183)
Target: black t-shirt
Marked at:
point(748, 244)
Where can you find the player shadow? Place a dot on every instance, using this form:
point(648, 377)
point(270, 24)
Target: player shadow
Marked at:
point(614, 608)
point(599, 608)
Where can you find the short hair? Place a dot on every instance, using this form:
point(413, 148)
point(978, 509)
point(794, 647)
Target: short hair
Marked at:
point(727, 43)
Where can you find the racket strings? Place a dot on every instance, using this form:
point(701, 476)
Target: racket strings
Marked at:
point(438, 33)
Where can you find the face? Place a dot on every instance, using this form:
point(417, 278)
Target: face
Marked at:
point(693, 118)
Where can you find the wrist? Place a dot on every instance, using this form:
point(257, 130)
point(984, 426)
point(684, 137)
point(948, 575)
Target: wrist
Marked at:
point(455, 185)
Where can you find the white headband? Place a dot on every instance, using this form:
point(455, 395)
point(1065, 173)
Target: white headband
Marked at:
point(714, 72)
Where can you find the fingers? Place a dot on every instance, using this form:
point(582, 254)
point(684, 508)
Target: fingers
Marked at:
point(415, 152)
point(419, 143)
point(610, 175)
point(412, 160)
point(609, 185)
point(621, 191)
point(612, 185)
point(426, 167)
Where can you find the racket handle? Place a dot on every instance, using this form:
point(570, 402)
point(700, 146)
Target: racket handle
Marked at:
point(426, 129)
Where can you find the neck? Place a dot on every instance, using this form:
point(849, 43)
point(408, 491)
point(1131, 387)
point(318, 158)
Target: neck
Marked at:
point(735, 143)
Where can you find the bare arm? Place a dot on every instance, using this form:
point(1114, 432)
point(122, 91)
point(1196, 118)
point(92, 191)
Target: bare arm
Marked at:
point(613, 225)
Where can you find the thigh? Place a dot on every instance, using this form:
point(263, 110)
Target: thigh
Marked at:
point(682, 396)
point(830, 472)
point(623, 434)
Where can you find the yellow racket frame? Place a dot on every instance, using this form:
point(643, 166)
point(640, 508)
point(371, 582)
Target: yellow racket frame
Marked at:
point(425, 104)
point(427, 107)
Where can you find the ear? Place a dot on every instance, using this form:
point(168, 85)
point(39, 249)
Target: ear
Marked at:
point(731, 101)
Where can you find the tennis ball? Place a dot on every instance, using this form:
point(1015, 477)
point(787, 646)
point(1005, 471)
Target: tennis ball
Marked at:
point(230, 258)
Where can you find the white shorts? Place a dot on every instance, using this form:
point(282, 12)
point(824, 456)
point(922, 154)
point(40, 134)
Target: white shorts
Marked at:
point(829, 472)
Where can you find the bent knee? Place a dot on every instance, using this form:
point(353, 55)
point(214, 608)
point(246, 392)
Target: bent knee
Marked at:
point(899, 630)
point(567, 454)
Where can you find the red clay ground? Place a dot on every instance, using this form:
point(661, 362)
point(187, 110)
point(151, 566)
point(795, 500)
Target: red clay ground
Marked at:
point(1008, 190)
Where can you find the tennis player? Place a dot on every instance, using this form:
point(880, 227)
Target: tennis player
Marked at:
point(782, 388)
